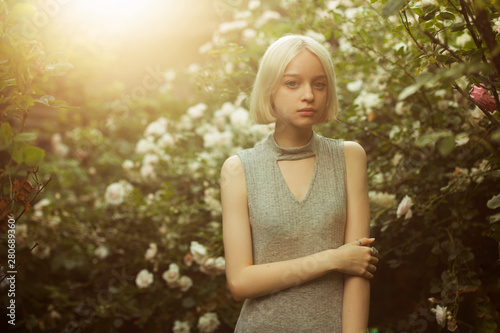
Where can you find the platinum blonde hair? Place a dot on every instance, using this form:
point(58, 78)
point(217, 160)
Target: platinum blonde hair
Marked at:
point(271, 70)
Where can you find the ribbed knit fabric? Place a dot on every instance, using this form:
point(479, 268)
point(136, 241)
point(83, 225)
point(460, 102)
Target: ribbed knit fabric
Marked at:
point(285, 228)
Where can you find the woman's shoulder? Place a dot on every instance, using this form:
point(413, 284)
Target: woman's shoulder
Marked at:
point(232, 165)
point(354, 148)
point(355, 154)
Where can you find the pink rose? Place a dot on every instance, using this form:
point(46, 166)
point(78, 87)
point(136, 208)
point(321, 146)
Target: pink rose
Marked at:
point(483, 98)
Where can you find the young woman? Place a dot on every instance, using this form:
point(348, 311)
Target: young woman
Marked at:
point(295, 207)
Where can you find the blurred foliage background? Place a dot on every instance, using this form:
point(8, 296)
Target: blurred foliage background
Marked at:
point(117, 116)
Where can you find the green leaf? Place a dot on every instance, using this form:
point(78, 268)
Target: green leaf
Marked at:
point(429, 138)
point(58, 69)
point(33, 155)
point(495, 218)
point(494, 202)
point(392, 7)
point(45, 99)
point(6, 133)
point(446, 16)
point(457, 27)
point(431, 12)
point(446, 146)
point(421, 79)
point(418, 10)
point(496, 136)
point(17, 152)
point(25, 137)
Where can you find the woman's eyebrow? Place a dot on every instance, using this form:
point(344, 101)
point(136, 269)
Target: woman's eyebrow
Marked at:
point(298, 75)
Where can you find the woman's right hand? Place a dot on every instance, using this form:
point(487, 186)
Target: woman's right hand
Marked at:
point(356, 258)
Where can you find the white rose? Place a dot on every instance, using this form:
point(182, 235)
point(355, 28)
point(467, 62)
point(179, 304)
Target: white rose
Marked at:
point(151, 251)
point(496, 26)
point(194, 68)
point(249, 34)
point(267, 16)
point(42, 203)
point(148, 171)
point(185, 283)
point(197, 110)
point(199, 252)
point(101, 251)
point(404, 207)
point(144, 279)
point(382, 199)
point(181, 327)
point(146, 146)
point(440, 315)
point(208, 322)
point(253, 4)
point(355, 85)
point(127, 165)
point(157, 128)
point(461, 140)
point(166, 141)
point(226, 27)
point(150, 159)
point(220, 264)
point(315, 35)
point(208, 267)
point(171, 275)
point(61, 149)
point(56, 138)
point(367, 100)
point(240, 118)
point(226, 109)
point(213, 266)
point(185, 123)
point(117, 192)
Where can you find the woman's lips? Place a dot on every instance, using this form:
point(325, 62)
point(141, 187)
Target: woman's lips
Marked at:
point(307, 112)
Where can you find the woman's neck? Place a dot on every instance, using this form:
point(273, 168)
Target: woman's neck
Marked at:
point(288, 136)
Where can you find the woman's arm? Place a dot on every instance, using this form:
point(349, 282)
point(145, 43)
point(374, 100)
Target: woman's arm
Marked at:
point(356, 303)
point(246, 280)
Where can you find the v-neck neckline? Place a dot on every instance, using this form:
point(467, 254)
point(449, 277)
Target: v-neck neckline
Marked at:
point(289, 191)
point(295, 153)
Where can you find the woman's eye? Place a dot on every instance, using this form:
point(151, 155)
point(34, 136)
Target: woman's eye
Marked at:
point(291, 84)
point(320, 85)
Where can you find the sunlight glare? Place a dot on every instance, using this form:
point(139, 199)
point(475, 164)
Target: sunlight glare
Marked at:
point(112, 10)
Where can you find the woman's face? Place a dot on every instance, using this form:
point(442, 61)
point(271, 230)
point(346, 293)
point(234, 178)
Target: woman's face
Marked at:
point(300, 98)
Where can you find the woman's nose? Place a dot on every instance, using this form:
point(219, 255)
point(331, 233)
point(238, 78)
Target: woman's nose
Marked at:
point(307, 93)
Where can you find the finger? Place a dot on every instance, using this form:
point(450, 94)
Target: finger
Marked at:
point(372, 268)
point(374, 260)
point(365, 241)
point(368, 275)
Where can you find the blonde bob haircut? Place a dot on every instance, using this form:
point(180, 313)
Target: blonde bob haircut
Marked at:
point(271, 70)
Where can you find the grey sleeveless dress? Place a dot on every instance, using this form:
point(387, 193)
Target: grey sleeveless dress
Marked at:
point(285, 228)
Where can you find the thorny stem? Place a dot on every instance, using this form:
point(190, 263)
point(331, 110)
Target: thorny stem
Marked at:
point(438, 42)
point(407, 28)
point(465, 14)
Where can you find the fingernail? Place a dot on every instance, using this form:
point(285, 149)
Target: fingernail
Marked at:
point(372, 238)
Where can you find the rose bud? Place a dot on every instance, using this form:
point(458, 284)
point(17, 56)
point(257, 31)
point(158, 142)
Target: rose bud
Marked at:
point(483, 98)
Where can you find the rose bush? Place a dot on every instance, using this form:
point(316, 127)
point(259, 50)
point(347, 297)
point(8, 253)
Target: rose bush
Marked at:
point(131, 228)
